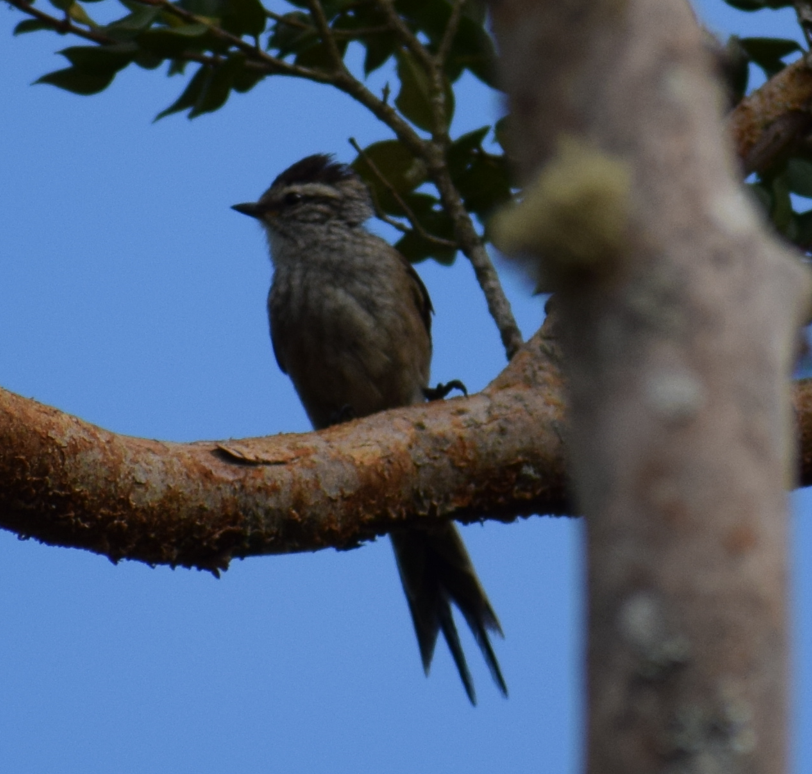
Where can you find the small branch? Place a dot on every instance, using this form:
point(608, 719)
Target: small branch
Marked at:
point(758, 125)
point(471, 245)
point(325, 33)
point(405, 35)
point(61, 25)
point(410, 216)
point(291, 22)
point(449, 33)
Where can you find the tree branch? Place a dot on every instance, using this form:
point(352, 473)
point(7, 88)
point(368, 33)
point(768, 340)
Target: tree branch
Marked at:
point(69, 483)
point(774, 117)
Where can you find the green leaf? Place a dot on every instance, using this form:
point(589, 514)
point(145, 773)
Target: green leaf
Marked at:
point(427, 16)
point(79, 81)
point(473, 49)
point(173, 41)
point(415, 248)
point(79, 14)
point(799, 176)
point(747, 5)
point(397, 165)
point(500, 131)
point(767, 53)
point(379, 49)
point(758, 5)
point(31, 25)
point(317, 56)
point(148, 60)
point(217, 87)
point(484, 185)
point(414, 98)
point(803, 230)
point(774, 193)
point(244, 17)
point(288, 35)
point(214, 93)
point(190, 94)
point(246, 78)
point(128, 26)
point(212, 9)
point(101, 59)
point(435, 221)
point(460, 154)
point(62, 5)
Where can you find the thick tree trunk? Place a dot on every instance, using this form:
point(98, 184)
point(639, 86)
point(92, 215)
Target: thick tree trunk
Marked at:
point(677, 319)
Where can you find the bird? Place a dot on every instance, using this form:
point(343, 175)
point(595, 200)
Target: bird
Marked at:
point(350, 324)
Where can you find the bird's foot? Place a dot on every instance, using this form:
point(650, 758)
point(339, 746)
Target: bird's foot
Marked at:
point(441, 390)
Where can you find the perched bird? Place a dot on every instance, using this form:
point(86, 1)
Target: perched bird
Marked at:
point(351, 326)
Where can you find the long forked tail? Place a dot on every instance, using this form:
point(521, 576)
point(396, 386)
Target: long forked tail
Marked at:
point(436, 570)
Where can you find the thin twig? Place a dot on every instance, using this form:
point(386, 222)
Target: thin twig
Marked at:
point(62, 25)
point(410, 216)
point(325, 33)
point(287, 19)
point(406, 36)
point(449, 33)
point(473, 248)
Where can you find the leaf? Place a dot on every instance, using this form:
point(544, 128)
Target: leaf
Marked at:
point(767, 53)
point(246, 79)
point(501, 132)
point(473, 49)
point(288, 36)
point(190, 94)
point(379, 49)
point(101, 59)
point(317, 56)
point(212, 9)
point(758, 5)
point(747, 5)
point(218, 86)
point(170, 42)
point(484, 185)
point(803, 230)
point(31, 25)
point(460, 154)
point(79, 81)
point(243, 17)
point(79, 14)
point(397, 165)
point(148, 60)
point(799, 176)
point(214, 93)
point(128, 26)
point(427, 16)
point(61, 5)
point(414, 98)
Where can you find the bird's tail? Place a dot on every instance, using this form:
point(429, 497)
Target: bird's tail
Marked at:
point(436, 570)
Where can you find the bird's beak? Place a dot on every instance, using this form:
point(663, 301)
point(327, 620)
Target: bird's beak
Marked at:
point(253, 209)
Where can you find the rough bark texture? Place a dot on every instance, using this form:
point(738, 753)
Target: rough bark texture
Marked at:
point(67, 482)
point(774, 118)
point(677, 352)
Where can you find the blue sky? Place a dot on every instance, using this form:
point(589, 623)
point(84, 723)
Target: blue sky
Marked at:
point(133, 297)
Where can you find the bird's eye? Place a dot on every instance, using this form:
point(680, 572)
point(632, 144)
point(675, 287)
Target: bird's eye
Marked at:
point(292, 198)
